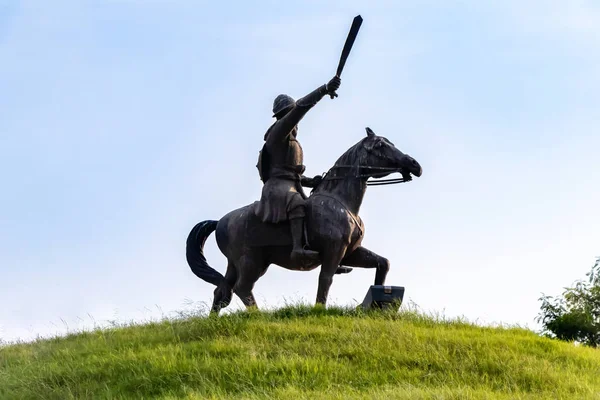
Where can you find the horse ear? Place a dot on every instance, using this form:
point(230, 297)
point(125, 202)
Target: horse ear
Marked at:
point(370, 131)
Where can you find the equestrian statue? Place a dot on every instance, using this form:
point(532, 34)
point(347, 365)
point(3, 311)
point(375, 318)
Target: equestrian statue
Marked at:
point(292, 230)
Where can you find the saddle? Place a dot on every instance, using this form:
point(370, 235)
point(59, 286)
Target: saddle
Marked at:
point(261, 233)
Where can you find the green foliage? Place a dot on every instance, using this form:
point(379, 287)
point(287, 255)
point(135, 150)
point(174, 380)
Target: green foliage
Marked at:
point(575, 316)
point(298, 353)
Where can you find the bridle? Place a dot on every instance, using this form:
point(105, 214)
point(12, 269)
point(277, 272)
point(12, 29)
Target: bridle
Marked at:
point(371, 172)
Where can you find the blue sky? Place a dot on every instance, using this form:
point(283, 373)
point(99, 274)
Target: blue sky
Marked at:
point(124, 123)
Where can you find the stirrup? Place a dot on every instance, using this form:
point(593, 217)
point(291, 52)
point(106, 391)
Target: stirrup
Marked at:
point(306, 255)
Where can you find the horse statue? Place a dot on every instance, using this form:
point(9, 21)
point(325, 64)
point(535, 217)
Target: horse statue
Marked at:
point(333, 228)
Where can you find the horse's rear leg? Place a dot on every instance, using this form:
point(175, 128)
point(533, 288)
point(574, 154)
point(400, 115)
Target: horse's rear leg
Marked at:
point(248, 273)
point(224, 292)
point(364, 258)
point(247, 297)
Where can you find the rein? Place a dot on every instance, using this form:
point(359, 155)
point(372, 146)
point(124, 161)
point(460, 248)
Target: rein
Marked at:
point(367, 175)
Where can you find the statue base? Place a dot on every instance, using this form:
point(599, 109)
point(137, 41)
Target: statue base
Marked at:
point(383, 297)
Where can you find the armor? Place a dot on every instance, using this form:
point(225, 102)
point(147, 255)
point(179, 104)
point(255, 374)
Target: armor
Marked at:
point(280, 162)
point(263, 164)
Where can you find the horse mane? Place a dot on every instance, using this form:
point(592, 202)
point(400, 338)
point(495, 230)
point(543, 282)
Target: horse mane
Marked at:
point(354, 156)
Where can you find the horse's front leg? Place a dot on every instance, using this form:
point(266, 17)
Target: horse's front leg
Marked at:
point(365, 258)
point(330, 261)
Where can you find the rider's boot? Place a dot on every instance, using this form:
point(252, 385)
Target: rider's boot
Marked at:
point(299, 253)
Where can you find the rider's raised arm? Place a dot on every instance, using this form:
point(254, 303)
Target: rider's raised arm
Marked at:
point(285, 125)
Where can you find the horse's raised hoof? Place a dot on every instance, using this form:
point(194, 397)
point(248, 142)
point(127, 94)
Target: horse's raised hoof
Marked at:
point(343, 270)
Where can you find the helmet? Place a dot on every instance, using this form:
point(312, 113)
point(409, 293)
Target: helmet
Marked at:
point(282, 102)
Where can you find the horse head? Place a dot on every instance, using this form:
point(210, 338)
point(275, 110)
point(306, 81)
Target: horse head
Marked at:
point(372, 157)
point(378, 157)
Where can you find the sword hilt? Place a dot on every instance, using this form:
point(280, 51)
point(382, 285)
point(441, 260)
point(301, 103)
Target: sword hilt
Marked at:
point(333, 94)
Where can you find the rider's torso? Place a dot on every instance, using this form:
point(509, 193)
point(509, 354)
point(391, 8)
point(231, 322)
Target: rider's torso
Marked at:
point(286, 156)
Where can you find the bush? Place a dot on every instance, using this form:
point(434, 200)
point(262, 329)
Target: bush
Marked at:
point(575, 316)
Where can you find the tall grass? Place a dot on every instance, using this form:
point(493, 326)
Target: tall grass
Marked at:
point(301, 352)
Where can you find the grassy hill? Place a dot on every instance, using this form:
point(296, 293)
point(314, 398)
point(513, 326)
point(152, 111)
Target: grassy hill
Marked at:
point(301, 353)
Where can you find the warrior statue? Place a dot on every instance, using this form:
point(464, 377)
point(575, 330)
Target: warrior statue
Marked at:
point(281, 170)
point(255, 236)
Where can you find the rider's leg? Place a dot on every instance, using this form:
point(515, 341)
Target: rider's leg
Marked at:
point(296, 216)
point(298, 251)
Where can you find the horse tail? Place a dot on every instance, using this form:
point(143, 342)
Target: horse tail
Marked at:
point(195, 252)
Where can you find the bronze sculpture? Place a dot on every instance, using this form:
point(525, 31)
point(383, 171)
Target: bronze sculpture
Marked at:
point(271, 231)
point(333, 228)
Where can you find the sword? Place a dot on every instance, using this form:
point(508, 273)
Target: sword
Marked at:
point(347, 47)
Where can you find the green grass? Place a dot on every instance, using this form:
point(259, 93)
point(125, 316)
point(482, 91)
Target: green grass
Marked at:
point(301, 353)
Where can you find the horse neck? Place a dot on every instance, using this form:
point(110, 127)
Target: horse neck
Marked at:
point(350, 191)
point(345, 184)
